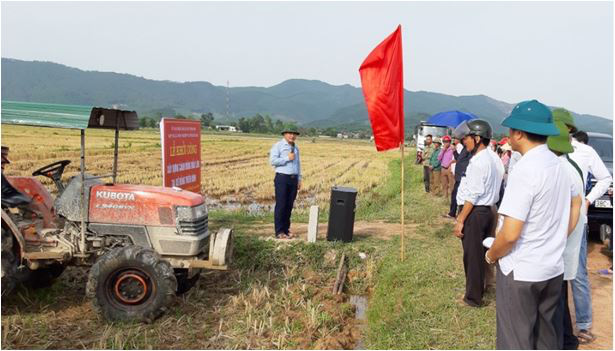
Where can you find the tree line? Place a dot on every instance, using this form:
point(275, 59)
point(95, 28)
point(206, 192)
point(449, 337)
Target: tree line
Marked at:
point(258, 123)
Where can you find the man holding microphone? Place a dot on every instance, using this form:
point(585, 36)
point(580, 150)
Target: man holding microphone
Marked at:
point(284, 157)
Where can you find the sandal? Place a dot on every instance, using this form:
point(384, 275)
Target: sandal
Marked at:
point(585, 337)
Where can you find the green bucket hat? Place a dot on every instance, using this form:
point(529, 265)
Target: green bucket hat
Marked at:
point(562, 115)
point(560, 143)
point(292, 131)
point(532, 117)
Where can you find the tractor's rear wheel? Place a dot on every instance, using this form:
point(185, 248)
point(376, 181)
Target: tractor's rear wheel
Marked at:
point(44, 277)
point(131, 283)
point(9, 264)
point(185, 283)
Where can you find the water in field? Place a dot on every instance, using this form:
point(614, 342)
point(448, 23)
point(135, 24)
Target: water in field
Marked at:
point(360, 303)
point(231, 203)
point(254, 208)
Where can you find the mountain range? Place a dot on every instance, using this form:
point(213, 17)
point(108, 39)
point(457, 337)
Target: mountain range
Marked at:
point(309, 103)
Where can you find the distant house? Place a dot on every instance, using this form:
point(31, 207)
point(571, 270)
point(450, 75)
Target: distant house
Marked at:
point(226, 128)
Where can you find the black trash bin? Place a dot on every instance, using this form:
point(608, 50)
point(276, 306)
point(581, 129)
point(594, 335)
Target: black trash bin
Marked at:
point(341, 214)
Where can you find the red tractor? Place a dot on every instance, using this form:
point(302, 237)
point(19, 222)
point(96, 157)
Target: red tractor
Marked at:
point(144, 244)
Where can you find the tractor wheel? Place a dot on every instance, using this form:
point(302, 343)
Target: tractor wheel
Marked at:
point(184, 284)
point(44, 277)
point(9, 264)
point(131, 283)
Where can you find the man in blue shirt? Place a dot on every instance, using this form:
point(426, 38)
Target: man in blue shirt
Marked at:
point(284, 157)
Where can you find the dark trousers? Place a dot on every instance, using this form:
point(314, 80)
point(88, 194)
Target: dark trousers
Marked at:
point(285, 194)
point(426, 175)
point(562, 322)
point(453, 210)
point(502, 189)
point(476, 228)
point(524, 313)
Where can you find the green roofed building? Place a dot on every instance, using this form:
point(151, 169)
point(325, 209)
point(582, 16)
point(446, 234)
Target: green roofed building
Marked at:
point(66, 116)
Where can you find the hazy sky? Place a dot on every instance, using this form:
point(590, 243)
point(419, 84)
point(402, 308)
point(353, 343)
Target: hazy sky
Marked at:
point(558, 52)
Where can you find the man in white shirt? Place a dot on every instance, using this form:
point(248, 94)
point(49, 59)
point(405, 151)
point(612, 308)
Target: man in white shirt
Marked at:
point(529, 245)
point(560, 145)
point(478, 191)
point(588, 160)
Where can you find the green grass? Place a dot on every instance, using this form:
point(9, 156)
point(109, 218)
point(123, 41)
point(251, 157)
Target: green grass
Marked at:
point(414, 303)
point(385, 201)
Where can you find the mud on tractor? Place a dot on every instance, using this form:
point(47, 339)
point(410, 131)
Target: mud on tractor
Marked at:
point(143, 244)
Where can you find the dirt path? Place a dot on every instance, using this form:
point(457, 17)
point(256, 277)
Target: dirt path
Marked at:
point(362, 229)
point(602, 300)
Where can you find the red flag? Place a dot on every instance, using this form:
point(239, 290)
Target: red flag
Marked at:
point(383, 88)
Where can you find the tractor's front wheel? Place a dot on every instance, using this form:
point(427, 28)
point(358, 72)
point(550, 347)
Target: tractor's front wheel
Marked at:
point(131, 283)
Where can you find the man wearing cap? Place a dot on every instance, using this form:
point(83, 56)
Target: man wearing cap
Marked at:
point(427, 152)
point(284, 157)
point(560, 145)
point(435, 167)
point(530, 242)
point(588, 160)
point(446, 159)
point(477, 194)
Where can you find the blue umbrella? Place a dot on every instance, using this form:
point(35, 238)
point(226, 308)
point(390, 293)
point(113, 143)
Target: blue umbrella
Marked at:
point(450, 118)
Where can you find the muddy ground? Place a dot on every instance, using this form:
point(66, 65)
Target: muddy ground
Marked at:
point(602, 299)
point(362, 230)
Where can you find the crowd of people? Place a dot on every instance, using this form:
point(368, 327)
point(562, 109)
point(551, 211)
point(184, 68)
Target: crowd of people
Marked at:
point(528, 192)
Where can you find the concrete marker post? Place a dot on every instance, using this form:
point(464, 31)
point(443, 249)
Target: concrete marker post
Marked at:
point(313, 224)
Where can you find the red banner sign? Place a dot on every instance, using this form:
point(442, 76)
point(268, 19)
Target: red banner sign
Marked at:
point(181, 153)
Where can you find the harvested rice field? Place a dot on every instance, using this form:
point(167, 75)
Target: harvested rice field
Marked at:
point(235, 167)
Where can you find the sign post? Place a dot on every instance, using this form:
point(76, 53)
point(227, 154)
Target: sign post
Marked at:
point(181, 153)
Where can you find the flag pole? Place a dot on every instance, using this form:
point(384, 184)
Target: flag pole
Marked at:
point(402, 201)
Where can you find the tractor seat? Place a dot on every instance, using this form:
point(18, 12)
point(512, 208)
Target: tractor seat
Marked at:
point(12, 197)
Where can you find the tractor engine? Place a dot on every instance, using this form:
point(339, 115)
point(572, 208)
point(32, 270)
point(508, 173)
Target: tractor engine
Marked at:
point(171, 221)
